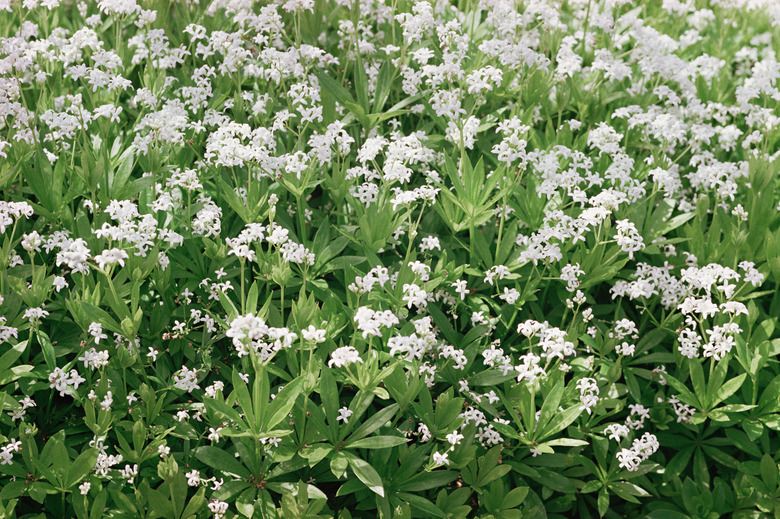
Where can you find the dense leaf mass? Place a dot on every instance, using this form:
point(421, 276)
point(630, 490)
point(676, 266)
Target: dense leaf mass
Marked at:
point(487, 259)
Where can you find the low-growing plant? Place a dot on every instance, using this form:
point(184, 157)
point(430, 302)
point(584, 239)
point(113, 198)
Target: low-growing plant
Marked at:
point(357, 259)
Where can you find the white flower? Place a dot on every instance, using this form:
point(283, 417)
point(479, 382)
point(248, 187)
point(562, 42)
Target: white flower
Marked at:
point(60, 283)
point(105, 405)
point(589, 393)
point(211, 391)
point(641, 449)
point(423, 432)
point(6, 452)
point(617, 431)
point(344, 414)
point(118, 7)
point(96, 331)
point(213, 435)
point(430, 243)
point(31, 242)
point(454, 439)
point(130, 472)
point(186, 379)
point(441, 459)
point(240, 250)
point(625, 349)
point(84, 488)
point(94, 359)
point(344, 356)
point(461, 288)
point(629, 459)
point(110, 257)
point(35, 314)
point(570, 274)
point(65, 383)
point(510, 295)
point(628, 238)
point(734, 308)
point(414, 295)
point(499, 270)
point(193, 478)
point(721, 340)
point(218, 508)
point(313, 334)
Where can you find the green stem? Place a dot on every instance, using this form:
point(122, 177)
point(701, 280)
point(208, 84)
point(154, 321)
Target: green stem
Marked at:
point(472, 246)
point(281, 304)
point(243, 292)
point(301, 219)
point(585, 30)
point(412, 232)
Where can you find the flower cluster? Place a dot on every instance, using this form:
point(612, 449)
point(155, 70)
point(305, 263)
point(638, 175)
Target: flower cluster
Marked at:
point(469, 258)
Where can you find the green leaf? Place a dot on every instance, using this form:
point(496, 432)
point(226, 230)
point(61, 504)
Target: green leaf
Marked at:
point(428, 480)
point(158, 502)
point(9, 357)
point(446, 328)
point(447, 412)
point(423, 505)
point(251, 298)
point(728, 389)
point(491, 377)
point(514, 498)
point(367, 474)
point(697, 379)
point(221, 460)
point(551, 401)
point(329, 395)
point(196, 503)
point(217, 406)
point(359, 114)
point(377, 442)
point(769, 472)
point(666, 514)
point(81, 466)
point(316, 453)
point(372, 424)
point(98, 505)
point(561, 421)
point(228, 306)
point(566, 442)
point(334, 88)
point(338, 464)
point(361, 83)
point(686, 396)
point(603, 502)
point(383, 84)
point(282, 404)
point(261, 390)
point(244, 399)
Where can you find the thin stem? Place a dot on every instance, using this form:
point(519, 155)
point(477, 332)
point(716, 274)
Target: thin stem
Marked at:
point(585, 30)
point(243, 292)
point(301, 219)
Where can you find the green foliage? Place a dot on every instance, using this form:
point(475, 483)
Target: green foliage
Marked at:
point(330, 259)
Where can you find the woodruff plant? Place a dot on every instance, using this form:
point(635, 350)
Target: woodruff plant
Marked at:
point(400, 259)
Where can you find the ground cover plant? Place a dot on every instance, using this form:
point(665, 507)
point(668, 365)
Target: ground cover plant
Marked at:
point(382, 258)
